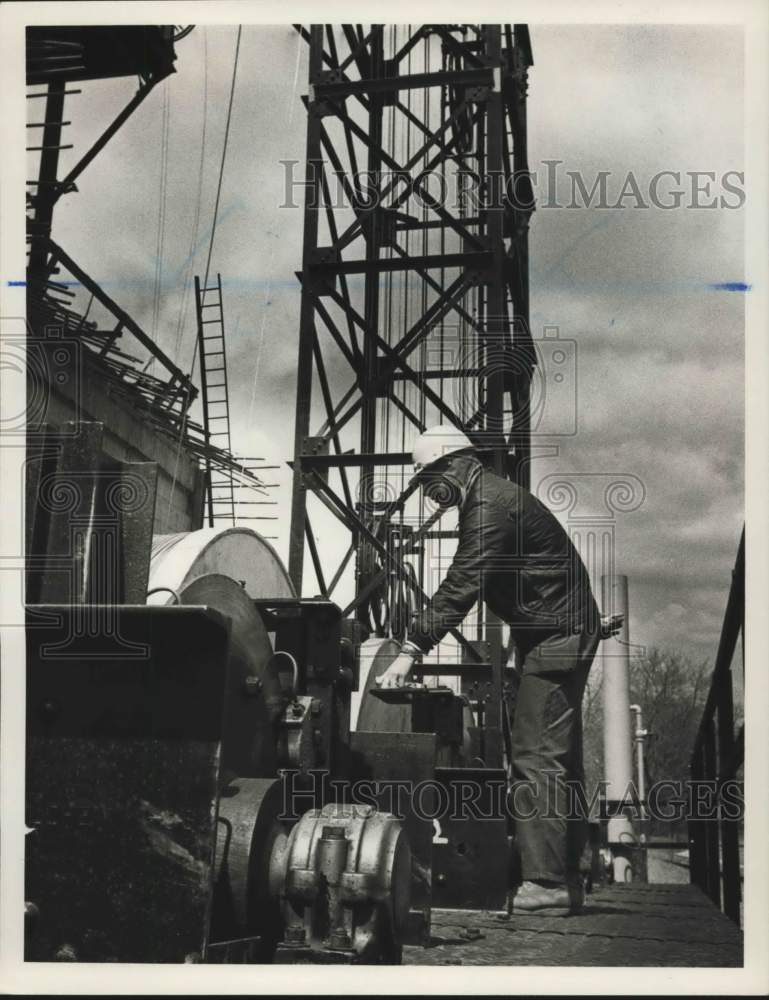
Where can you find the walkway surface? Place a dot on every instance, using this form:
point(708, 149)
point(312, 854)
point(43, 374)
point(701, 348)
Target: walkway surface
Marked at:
point(658, 925)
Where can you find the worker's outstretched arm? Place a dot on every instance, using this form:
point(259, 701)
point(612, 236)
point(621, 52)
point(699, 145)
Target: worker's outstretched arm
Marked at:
point(484, 533)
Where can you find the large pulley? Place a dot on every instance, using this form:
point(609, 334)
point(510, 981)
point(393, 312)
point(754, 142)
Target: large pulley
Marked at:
point(250, 839)
point(227, 569)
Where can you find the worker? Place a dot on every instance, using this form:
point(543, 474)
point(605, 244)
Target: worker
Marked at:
point(515, 555)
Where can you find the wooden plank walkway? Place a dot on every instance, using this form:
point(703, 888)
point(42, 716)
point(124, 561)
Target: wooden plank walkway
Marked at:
point(624, 925)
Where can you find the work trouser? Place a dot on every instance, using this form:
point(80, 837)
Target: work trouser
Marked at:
point(546, 751)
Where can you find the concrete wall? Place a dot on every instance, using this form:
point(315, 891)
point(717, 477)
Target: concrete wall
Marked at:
point(128, 437)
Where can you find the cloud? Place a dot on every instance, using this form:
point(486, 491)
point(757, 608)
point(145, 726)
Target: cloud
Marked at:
point(659, 374)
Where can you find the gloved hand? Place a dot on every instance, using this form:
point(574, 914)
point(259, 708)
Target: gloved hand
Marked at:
point(397, 673)
point(611, 625)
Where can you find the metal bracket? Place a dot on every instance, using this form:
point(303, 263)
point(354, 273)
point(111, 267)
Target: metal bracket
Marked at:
point(295, 745)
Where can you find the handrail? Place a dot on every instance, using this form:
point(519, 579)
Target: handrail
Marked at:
point(714, 858)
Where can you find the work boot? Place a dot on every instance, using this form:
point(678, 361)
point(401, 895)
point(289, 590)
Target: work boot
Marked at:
point(547, 899)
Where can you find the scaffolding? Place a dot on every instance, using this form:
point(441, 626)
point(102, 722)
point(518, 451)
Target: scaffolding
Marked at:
point(116, 349)
point(57, 56)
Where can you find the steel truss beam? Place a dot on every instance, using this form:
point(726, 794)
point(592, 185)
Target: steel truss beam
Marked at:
point(394, 271)
point(107, 52)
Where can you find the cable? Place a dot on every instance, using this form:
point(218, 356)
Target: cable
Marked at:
point(299, 50)
point(221, 176)
point(268, 288)
point(190, 262)
point(183, 425)
point(162, 200)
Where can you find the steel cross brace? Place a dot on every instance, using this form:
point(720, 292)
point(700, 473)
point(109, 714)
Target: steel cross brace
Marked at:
point(402, 174)
point(410, 341)
point(413, 184)
point(185, 389)
point(68, 183)
point(398, 361)
point(408, 549)
point(327, 59)
point(352, 522)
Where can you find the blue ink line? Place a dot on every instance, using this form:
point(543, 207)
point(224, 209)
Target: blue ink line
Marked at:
point(274, 284)
point(730, 286)
point(23, 284)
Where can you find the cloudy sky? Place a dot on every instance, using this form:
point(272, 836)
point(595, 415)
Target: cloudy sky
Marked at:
point(659, 341)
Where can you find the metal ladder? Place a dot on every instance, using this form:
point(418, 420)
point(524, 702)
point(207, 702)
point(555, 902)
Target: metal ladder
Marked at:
point(220, 487)
point(223, 482)
point(43, 196)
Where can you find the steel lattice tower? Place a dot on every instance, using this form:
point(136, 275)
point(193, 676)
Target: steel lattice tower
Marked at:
point(415, 280)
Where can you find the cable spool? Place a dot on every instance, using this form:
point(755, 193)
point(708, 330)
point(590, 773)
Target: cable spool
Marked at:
point(389, 606)
point(374, 611)
point(237, 552)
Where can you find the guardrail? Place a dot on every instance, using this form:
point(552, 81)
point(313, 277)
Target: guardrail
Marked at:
point(714, 858)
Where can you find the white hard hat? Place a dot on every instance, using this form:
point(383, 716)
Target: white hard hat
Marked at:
point(436, 442)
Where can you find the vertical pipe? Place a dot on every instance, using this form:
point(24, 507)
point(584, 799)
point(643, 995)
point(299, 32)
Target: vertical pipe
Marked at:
point(639, 737)
point(495, 325)
point(368, 421)
point(312, 193)
point(617, 745)
point(521, 431)
point(495, 332)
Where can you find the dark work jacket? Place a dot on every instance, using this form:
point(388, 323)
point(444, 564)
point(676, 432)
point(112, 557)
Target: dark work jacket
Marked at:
point(514, 554)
